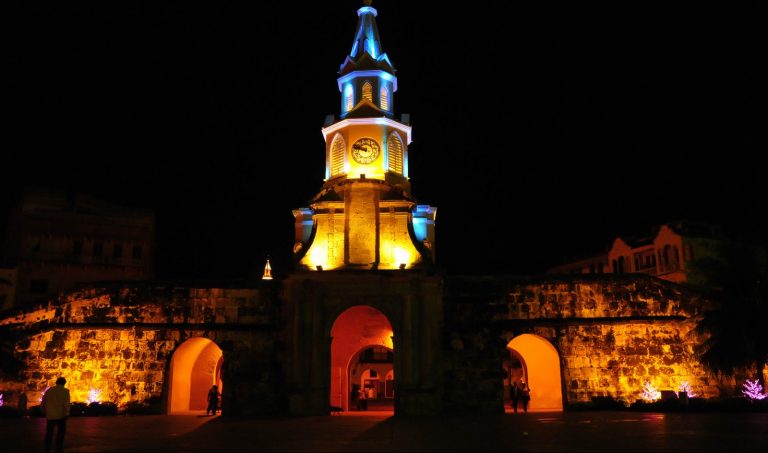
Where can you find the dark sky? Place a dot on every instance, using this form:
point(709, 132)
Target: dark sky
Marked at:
point(541, 130)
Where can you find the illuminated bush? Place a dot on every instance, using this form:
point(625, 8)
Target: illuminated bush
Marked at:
point(686, 387)
point(649, 393)
point(753, 391)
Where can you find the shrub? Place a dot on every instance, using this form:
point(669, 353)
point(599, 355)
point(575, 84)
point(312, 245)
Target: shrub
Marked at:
point(36, 411)
point(151, 406)
point(78, 410)
point(607, 403)
point(101, 408)
point(9, 412)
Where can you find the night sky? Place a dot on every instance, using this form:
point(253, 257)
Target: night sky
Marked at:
point(540, 131)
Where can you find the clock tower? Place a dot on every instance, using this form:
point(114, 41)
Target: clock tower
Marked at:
point(365, 217)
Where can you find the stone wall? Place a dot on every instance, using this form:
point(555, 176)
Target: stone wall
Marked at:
point(612, 334)
point(120, 340)
point(615, 334)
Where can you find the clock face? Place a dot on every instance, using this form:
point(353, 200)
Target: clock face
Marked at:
point(365, 150)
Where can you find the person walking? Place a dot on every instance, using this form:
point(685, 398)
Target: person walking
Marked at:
point(56, 407)
point(525, 396)
point(514, 394)
point(213, 400)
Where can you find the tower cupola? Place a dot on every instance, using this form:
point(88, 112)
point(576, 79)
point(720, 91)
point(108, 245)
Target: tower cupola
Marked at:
point(367, 79)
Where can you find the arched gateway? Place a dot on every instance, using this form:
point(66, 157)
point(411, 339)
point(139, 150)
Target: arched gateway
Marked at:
point(539, 367)
point(195, 367)
point(337, 316)
point(361, 359)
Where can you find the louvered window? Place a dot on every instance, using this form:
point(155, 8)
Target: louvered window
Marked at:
point(338, 147)
point(348, 97)
point(368, 91)
point(384, 98)
point(395, 150)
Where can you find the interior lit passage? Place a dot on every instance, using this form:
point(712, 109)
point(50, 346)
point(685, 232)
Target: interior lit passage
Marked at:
point(195, 367)
point(539, 366)
point(362, 359)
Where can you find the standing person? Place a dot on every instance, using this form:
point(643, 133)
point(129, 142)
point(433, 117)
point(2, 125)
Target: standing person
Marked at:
point(363, 399)
point(353, 397)
point(56, 407)
point(213, 400)
point(525, 396)
point(514, 394)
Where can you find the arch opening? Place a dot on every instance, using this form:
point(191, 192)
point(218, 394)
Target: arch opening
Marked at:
point(195, 366)
point(534, 360)
point(362, 359)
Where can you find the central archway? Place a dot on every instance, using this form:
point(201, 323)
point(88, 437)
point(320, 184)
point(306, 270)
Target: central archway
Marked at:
point(195, 367)
point(540, 368)
point(356, 333)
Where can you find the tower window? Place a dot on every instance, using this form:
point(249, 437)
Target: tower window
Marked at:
point(348, 97)
point(384, 98)
point(395, 150)
point(368, 91)
point(338, 148)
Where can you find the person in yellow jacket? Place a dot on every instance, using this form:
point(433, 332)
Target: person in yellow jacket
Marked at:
point(56, 407)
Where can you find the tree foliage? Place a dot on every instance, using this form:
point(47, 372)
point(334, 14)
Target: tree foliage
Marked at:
point(735, 278)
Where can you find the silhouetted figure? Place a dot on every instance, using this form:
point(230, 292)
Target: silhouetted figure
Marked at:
point(353, 397)
point(525, 396)
point(56, 407)
point(213, 400)
point(363, 399)
point(22, 404)
point(514, 394)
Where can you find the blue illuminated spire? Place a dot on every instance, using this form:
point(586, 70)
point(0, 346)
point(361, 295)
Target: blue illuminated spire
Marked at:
point(366, 48)
point(367, 36)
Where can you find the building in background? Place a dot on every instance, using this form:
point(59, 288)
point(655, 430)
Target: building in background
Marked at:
point(664, 254)
point(55, 240)
point(7, 287)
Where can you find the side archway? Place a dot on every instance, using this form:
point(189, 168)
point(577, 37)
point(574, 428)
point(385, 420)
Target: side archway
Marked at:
point(195, 367)
point(541, 370)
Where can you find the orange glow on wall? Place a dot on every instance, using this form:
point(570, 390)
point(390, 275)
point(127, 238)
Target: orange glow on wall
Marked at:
point(542, 365)
point(195, 367)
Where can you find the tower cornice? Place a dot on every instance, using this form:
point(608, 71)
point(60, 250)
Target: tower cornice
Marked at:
point(367, 121)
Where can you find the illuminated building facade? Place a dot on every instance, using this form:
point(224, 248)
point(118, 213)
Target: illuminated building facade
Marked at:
point(364, 312)
point(665, 254)
point(56, 241)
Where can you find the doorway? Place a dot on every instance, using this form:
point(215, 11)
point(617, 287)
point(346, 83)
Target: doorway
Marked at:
point(195, 367)
point(362, 357)
point(534, 359)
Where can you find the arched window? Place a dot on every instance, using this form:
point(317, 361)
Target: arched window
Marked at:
point(368, 91)
point(384, 94)
point(338, 148)
point(349, 97)
point(395, 153)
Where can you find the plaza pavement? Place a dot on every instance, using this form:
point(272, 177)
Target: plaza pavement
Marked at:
point(372, 432)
